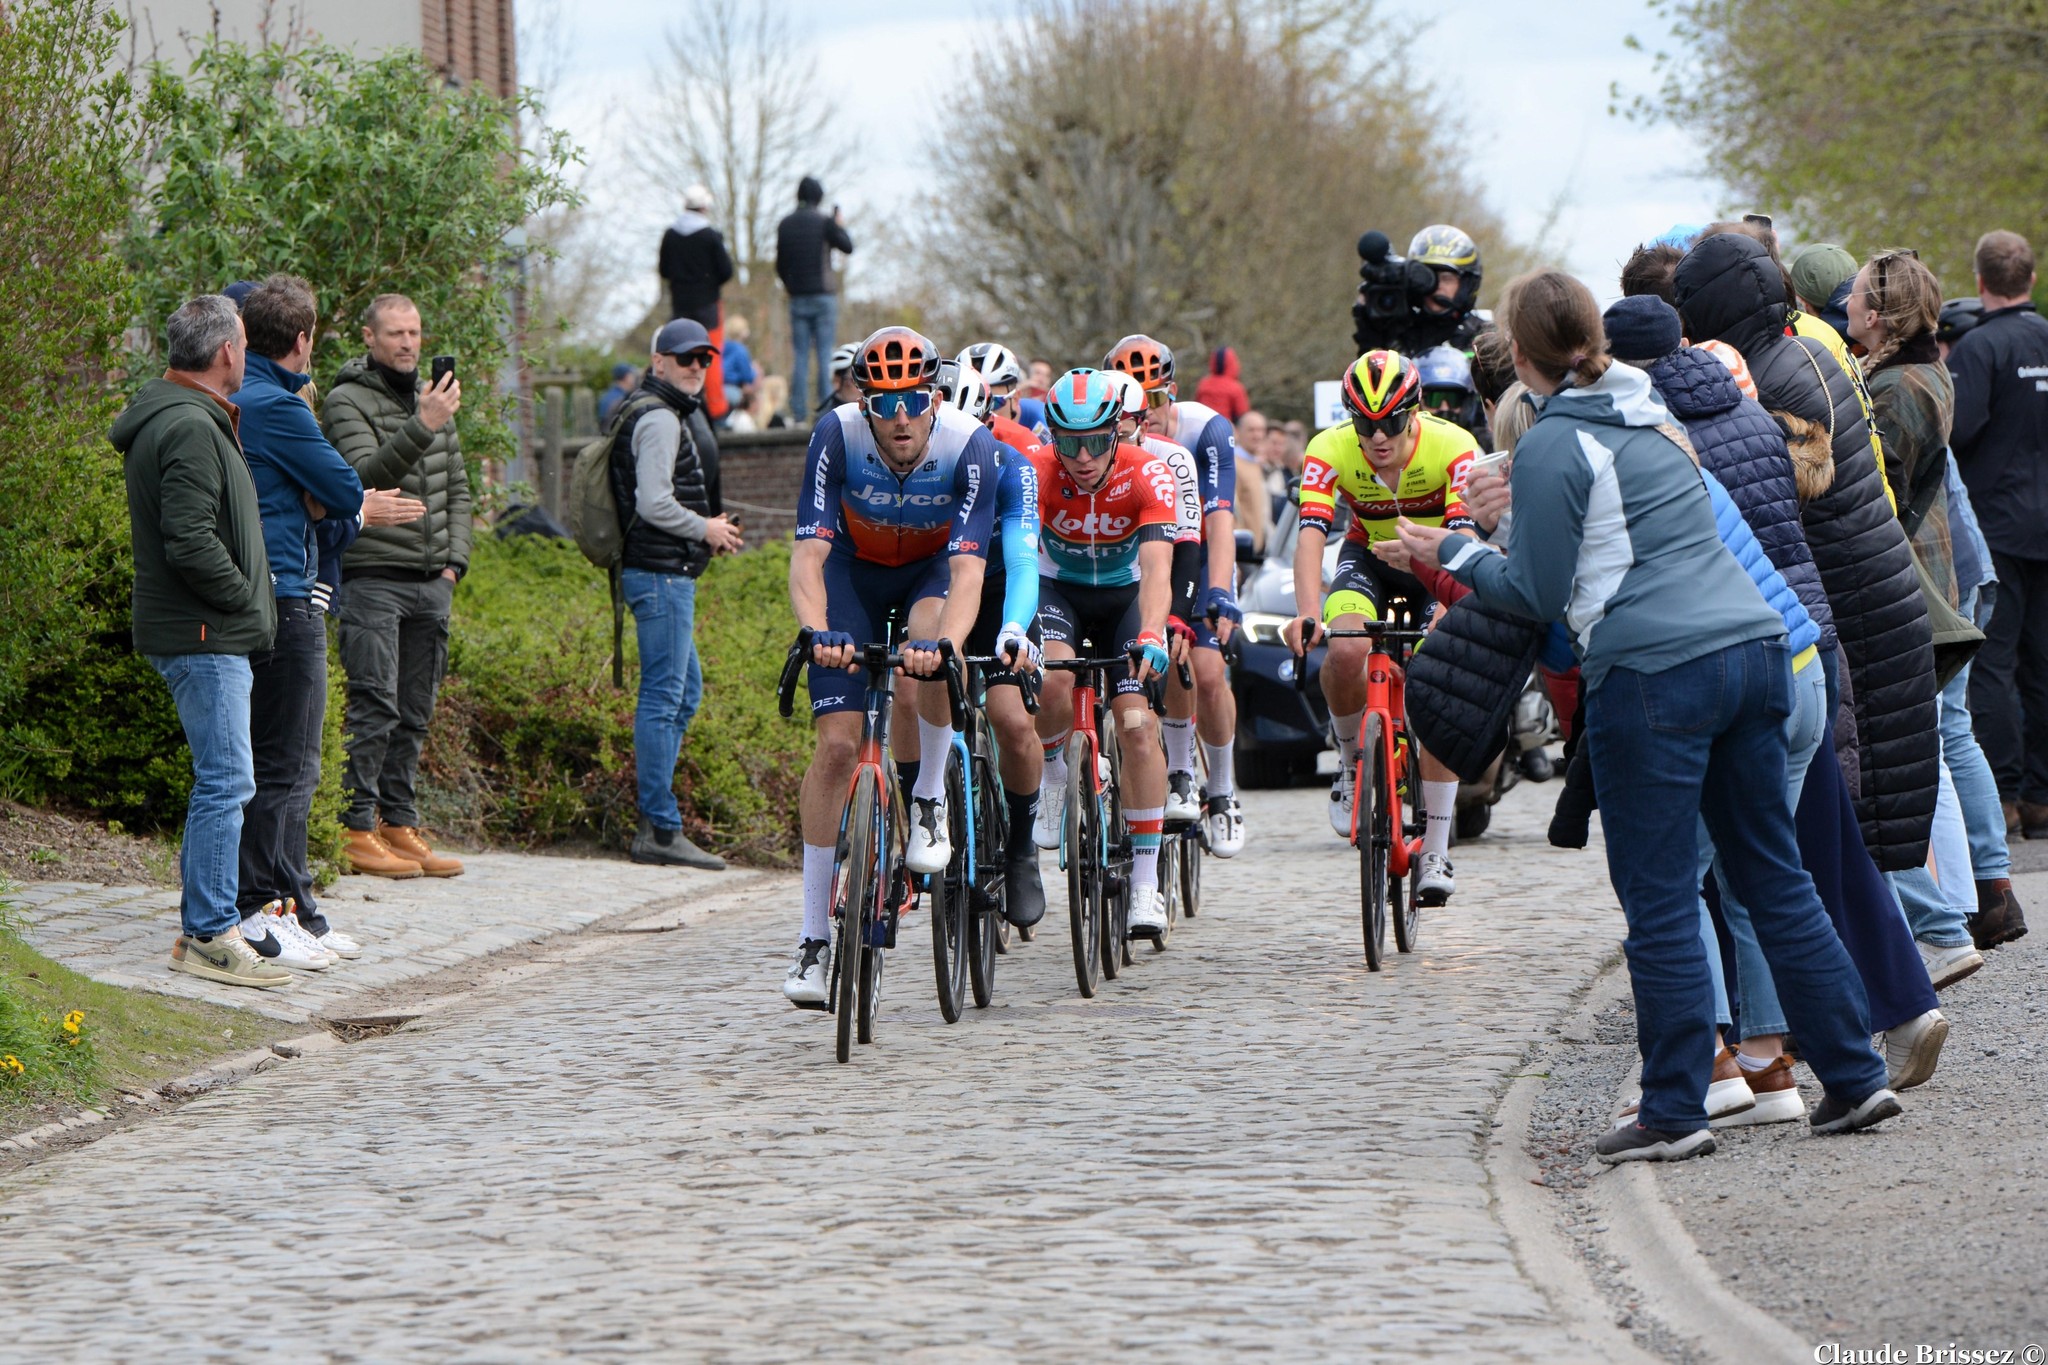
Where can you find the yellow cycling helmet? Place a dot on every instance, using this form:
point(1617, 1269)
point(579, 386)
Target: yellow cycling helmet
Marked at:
point(1382, 384)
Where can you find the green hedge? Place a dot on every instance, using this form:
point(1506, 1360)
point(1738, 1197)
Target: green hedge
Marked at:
point(532, 744)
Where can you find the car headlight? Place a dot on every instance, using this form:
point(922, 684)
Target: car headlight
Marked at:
point(1263, 628)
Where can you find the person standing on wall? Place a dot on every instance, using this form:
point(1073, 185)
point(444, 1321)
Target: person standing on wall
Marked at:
point(802, 241)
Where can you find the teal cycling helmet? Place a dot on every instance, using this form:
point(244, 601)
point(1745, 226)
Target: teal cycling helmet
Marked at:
point(1083, 400)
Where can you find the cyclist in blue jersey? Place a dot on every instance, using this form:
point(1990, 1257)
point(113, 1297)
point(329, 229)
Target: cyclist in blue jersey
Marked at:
point(1213, 441)
point(897, 508)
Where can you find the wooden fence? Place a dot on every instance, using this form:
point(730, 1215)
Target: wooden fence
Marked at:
point(760, 471)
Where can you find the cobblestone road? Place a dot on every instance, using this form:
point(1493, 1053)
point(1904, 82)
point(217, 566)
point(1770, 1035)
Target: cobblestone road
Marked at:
point(1247, 1144)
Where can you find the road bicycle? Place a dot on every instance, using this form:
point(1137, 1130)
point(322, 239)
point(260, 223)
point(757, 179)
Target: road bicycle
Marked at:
point(871, 886)
point(1095, 845)
point(1181, 846)
point(1389, 849)
point(976, 878)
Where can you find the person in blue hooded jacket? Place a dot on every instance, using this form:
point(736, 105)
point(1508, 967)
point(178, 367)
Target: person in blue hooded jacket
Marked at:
point(1688, 685)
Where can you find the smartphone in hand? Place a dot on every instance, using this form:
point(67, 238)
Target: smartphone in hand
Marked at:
point(443, 366)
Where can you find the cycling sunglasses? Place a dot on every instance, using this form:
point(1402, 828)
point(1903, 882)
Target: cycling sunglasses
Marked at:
point(1395, 424)
point(1072, 445)
point(910, 403)
point(1158, 398)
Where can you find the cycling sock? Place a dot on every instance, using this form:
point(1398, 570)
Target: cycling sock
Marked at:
point(1180, 743)
point(1023, 810)
point(1222, 768)
point(1145, 826)
point(818, 891)
point(933, 743)
point(908, 770)
point(1440, 802)
point(1346, 730)
point(1055, 778)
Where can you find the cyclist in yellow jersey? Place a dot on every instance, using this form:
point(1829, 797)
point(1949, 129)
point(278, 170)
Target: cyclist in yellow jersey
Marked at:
point(1391, 460)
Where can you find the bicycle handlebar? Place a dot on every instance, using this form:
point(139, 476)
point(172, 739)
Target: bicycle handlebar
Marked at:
point(1375, 630)
point(1027, 683)
point(877, 658)
point(1155, 690)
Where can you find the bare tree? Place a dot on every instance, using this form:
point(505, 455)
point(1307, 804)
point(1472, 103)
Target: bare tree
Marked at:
point(738, 110)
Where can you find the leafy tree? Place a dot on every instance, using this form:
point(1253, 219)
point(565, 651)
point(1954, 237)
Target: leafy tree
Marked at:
point(366, 177)
point(68, 135)
point(1918, 123)
point(1200, 171)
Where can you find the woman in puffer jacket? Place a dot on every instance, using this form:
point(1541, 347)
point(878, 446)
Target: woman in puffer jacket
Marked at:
point(1728, 289)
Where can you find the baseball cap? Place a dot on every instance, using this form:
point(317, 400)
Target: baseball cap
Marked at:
point(1818, 269)
point(680, 336)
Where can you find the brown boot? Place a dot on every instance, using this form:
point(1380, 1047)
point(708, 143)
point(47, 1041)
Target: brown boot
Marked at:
point(2012, 817)
point(405, 841)
point(368, 853)
point(1998, 918)
point(2033, 820)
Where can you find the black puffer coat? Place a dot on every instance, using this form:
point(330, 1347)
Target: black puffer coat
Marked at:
point(1739, 444)
point(1728, 289)
point(1464, 681)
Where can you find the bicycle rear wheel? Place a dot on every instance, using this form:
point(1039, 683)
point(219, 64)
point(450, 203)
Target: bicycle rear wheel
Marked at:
point(952, 899)
point(856, 877)
point(1082, 836)
point(985, 913)
point(1375, 840)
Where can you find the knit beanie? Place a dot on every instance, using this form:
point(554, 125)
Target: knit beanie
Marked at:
point(1642, 327)
point(1818, 270)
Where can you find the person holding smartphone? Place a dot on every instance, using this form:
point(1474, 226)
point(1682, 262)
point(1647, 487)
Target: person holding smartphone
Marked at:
point(397, 582)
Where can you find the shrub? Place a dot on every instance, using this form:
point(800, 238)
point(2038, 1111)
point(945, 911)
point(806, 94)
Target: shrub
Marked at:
point(531, 743)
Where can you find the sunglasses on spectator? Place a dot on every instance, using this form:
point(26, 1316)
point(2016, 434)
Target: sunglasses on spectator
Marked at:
point(1072, 445)
point(699, 359)
point(1395, 424)
point(884, 407)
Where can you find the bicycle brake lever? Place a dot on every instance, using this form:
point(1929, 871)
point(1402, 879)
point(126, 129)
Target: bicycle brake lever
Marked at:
point(785, 687)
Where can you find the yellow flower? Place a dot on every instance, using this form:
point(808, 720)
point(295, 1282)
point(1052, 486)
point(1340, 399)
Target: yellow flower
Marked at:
point(73, 1020)
point(12, 1063)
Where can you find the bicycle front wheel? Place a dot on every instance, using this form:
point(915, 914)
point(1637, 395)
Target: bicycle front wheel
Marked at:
point(856, 883)
point(1375, 839)
point(1082, 835)
point(1116, 855)
point(951, 899)
point(985, 913)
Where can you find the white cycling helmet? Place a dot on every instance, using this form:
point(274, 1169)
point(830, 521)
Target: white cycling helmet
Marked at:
point(843, 358)
point(964, 388)
point(1129, 390)
point(996, 362)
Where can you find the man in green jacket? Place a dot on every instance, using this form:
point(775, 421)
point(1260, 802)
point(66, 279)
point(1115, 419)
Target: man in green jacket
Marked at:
point(202, 605)
point(398, 582)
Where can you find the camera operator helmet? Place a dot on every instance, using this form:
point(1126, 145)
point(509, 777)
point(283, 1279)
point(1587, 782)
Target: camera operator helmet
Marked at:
point(1382, 390)
point(963, 387)
point(1449, 250)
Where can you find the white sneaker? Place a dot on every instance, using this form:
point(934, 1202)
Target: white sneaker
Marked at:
point(1148, 914)
point(1946, 966)
point(1435, 885)
point(1052, 812)
point(1912, 1049)
point(1226, 826)
point(809, 972)
point(929, 846)
point(286, 923)
point(266, 929)
point(1183, 802)
point(1343, 792)
point(338, 943)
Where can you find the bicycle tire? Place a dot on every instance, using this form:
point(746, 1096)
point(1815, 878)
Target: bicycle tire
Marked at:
point(1375, 841)
point(952, 899)
point(1404, 908)
point(855, 877)
point(1193, 851)
point(1116, 858)
point(1169, 885)
point(984, 934)
point(1081, 835)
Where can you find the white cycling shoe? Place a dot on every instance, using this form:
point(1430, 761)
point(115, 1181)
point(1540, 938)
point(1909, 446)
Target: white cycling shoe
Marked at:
point(929, 846)
point(1183, 799)
point(1343, 792)
point(1052, 811)
point(1148, 916)
point(1226, 826)
point(1434, 885)
point(809, 972)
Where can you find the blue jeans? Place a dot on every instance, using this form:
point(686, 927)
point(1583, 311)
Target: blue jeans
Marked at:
point(1707, 739)
point(812, 321)
point(664, 609)
point(1976, 788)
point(1805, 728)
point(212, 695)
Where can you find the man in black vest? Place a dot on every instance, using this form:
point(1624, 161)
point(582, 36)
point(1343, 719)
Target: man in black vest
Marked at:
point(664, 471)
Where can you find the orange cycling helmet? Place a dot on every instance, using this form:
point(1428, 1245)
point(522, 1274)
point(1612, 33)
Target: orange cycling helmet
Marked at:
point(1143, 359)
point(1381, 384)
point(895, 359)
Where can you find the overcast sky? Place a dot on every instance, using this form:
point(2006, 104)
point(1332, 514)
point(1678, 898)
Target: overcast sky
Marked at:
point(1533, 95)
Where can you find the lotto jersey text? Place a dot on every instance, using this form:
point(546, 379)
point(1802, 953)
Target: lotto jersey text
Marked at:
point(1093, 538)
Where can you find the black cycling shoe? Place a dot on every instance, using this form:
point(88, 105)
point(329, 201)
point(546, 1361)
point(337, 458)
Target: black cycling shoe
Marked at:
point(1024, 893)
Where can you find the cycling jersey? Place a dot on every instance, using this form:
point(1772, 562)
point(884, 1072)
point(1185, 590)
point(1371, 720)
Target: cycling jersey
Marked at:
point(1209, 434)
point(1017, 437)
point(1187, 485)
point(866, 511)
point(1093, 538)
point(1014, 560)
point(1431, 486)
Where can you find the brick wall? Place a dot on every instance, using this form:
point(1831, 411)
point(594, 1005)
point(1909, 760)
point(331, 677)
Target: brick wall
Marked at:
point(764, 471)
point(471, 42)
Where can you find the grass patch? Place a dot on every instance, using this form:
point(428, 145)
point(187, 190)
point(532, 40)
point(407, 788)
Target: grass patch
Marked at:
point(119, 1039)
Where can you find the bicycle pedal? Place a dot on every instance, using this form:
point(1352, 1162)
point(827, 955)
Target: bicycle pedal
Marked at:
point(820, 1006)
point(1146, 933)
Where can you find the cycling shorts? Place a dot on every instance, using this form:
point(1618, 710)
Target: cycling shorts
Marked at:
point(1363, 586)
point(859, 598)
point(988, 621)
point(1190, 558)
point(1094, 622)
